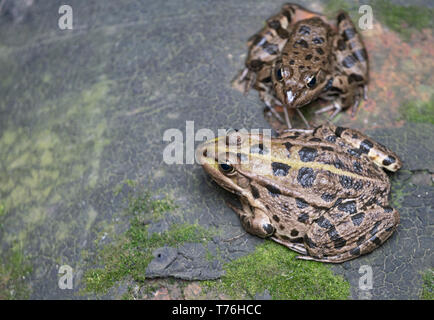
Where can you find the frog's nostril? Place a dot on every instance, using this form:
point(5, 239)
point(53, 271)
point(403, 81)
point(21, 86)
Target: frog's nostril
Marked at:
point(205, 152)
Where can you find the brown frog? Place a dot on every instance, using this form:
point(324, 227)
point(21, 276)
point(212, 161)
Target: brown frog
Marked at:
point(299, 57)
point(321, 192)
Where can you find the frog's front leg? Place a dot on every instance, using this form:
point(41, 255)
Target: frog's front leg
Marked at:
point(255, 222)
point(361, 144)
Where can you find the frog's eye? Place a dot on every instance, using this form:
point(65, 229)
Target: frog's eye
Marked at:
point(279, 76)
point(311, 82)
point(226, 168)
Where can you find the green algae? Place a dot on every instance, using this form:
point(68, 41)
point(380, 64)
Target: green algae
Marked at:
point(418, 111)
point(14, 271)
point(402, 19)
point(428, 285)
point(128, 256)
point(274, 268)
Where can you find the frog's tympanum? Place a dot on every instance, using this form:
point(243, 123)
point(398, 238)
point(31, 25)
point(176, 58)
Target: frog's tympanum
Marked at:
point(299, 57)
point(322, 193)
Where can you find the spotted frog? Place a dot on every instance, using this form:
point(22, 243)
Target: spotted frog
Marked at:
point(321, 192)
point(299, 57)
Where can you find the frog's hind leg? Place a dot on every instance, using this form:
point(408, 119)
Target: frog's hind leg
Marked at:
point(372, 228)
point(361, 144)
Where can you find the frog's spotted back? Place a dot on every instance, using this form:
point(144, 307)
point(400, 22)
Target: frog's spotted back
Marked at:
point(320, 192)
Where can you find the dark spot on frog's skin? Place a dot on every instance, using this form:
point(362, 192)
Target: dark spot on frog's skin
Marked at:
point(320, 51)
point(341, 45)
point(323, 223)
point(327, 197)
point(355, 78)
point(291, 62)
point(348, 34)
point(304, 30)
point(281, 227)
point(318, 40)
point(388, 209)
point(331, 139)
point(375, 240)
point(274, 24)
point(255, 192)
point(355, 152)
point(297, 240)
point(315, 140)
point(348, 207)
point(346, 182)
point(338, 164)
point(336, 238)
point(360, 240)
point(283, 237)
point(282, 33)
point(358, 185)
point(360, 55)
point(309, 242)
point(302, 43)
point(355, 251)
point(303, 217)
point(308, 57)
point(390, 229)
point(293, 137)
point(301, 204)
point(268, 228)
point(307, 154)
point(355, 136)
point(301, 67)
point(341, 17)
point(339, 131)
point(266, 80)
point(258, 148)
point(280, 169)
point(365, 146)
point(274, 192)
point(358, 218)
point(389, 160)
point(255, 65)
point(374, 230)
point(327, 149)
point(349, 61)
point(276, 218)
point(288, 145)
point(294, 233)
point(357, 166)
point(316, 59)
point(271, 48)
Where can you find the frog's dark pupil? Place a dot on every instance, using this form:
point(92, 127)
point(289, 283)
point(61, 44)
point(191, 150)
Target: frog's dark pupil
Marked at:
point(279, 74)
point(312, 82)
point(225, 167)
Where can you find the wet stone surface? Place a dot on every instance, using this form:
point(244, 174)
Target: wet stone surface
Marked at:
point(83, 110)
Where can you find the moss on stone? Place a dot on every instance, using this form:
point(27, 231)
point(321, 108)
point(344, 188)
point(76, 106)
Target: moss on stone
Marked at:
point(14, 270)
point(274, 268)
point(402, 19)
point(418, 111)
point(128, 256)
point(428, 285)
